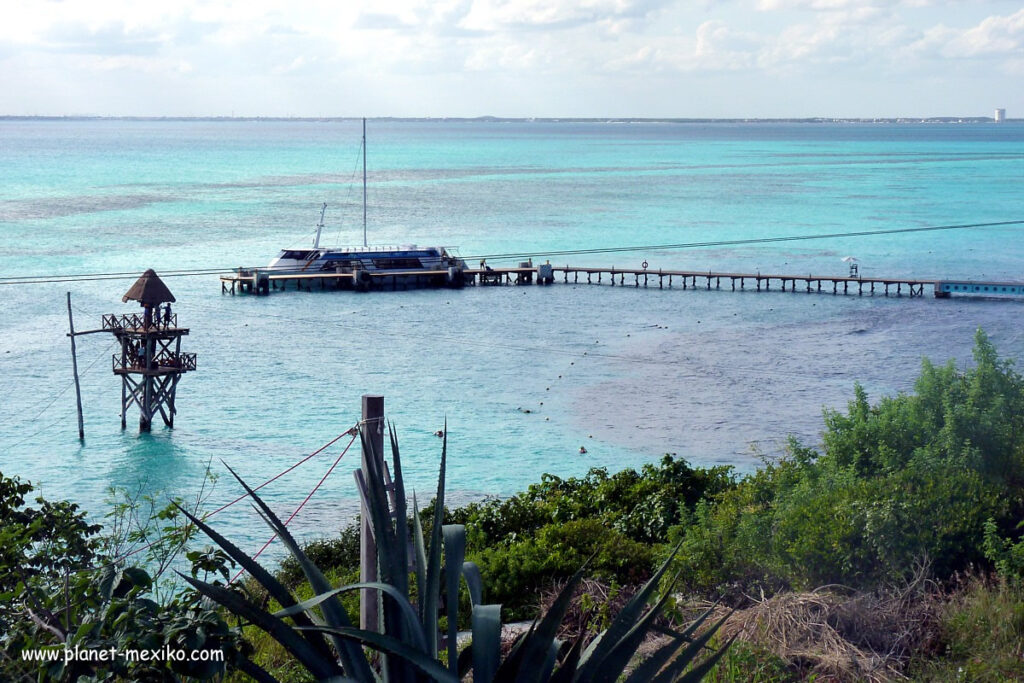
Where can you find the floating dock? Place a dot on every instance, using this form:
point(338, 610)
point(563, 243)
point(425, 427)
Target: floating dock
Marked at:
point(263, 281)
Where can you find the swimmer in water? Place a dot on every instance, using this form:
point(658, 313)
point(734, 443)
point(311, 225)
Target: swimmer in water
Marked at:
point(582, 450)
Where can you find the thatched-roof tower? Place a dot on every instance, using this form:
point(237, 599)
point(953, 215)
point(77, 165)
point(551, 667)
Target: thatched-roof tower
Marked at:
point(149, 290)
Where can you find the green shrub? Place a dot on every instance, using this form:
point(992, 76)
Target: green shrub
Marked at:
point(1006, 555)
point(980, 636)
point(516, 573)
point(748, 663)
point(913, 478)
point(642, 505)
point(339, 554)
point(60, 590)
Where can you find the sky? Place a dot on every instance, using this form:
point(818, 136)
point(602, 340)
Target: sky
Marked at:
point(512, 58)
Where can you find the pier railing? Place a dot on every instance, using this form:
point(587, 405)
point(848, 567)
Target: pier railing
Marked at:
point(856, 284)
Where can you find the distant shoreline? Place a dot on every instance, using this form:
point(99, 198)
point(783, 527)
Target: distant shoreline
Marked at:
point(499, 119)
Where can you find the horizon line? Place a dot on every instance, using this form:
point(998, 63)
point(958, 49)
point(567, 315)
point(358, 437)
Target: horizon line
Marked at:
point(519, 119)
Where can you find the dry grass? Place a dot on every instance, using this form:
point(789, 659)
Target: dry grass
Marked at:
point(593, 605)
point(839, 635)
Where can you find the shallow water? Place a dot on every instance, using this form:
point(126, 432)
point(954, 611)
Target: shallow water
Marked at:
point(717, 377)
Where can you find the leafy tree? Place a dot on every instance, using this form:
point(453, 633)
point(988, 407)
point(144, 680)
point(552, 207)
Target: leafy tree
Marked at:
point(62, 593)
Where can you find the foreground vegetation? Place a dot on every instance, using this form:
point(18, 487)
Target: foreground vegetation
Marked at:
point(911, 511)
point(894, 550)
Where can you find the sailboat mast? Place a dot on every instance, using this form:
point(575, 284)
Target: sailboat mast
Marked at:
point(319, 227)
point(364, 183)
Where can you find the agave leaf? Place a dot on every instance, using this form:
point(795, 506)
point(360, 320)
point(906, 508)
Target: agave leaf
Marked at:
point(274, 588)
point(255, 671)
point(407, 610)
point(380, 511)
point(421, 555)
point(401, 517)
point(352, 658)
point(622, 623)
point(536, 649)
point(509, 667)
point(589, 651)
point(465, 661)
point(486, 625)
point(390, 570)
point(699, 672)
point(454, 554)
point(392, 646)
point(647, 669)
point(692, 628)
point(474, 582)
point(550, 660)
point(686, 657)
point(567, 669)
point(430, 592)
point(317, 663)
point(617, 658)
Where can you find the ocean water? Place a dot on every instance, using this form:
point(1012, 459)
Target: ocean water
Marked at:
point(523, 375)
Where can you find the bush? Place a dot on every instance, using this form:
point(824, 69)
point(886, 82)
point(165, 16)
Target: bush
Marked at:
point(340, 554)
point(59, 592)
point(516, 573)
point(641, 505)
point(980, 635)
point(913, 477)
point(1004, 554)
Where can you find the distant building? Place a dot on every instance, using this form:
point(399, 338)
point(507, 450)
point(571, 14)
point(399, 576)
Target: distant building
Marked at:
point(1000, 115)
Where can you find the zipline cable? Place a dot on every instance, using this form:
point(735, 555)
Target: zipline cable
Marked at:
point(257, 488)
point(61, 277)
point(301, 505)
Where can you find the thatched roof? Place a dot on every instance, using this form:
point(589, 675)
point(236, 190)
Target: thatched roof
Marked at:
point(149, 290)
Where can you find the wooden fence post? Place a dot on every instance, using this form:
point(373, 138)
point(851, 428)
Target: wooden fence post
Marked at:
point(373, 426)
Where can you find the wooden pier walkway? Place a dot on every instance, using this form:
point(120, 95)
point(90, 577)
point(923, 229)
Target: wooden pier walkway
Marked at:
point(263, 281)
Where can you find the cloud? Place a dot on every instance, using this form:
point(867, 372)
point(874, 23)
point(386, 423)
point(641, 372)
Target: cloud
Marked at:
point(995, 36)
point(107, 39)
point(719, 46)
point(377, 21)
point(833, 5)
point(260, 56)
point(494, 15)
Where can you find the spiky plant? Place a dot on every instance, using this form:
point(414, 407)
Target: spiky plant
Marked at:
point(320, 636)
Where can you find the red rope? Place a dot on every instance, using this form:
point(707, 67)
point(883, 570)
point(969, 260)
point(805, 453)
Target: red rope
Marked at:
point(301, 505)
point(318, 451)
point(272, 479)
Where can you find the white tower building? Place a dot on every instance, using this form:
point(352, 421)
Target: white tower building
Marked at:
point(1000, 115)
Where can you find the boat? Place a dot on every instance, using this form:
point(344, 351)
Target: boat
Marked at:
point(405, 259)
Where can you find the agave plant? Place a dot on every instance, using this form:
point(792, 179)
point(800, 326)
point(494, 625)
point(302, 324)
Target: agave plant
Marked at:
point(320, 636)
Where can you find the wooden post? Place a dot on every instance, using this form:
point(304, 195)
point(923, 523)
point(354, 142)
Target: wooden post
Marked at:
point(373, 424)
point(74, 368)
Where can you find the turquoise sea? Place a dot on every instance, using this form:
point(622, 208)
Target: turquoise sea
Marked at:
point(523, 375)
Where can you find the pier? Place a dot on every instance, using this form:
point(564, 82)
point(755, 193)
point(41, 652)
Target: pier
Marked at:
point(263, 281)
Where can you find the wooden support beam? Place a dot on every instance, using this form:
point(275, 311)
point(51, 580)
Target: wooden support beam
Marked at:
point(74, 369)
